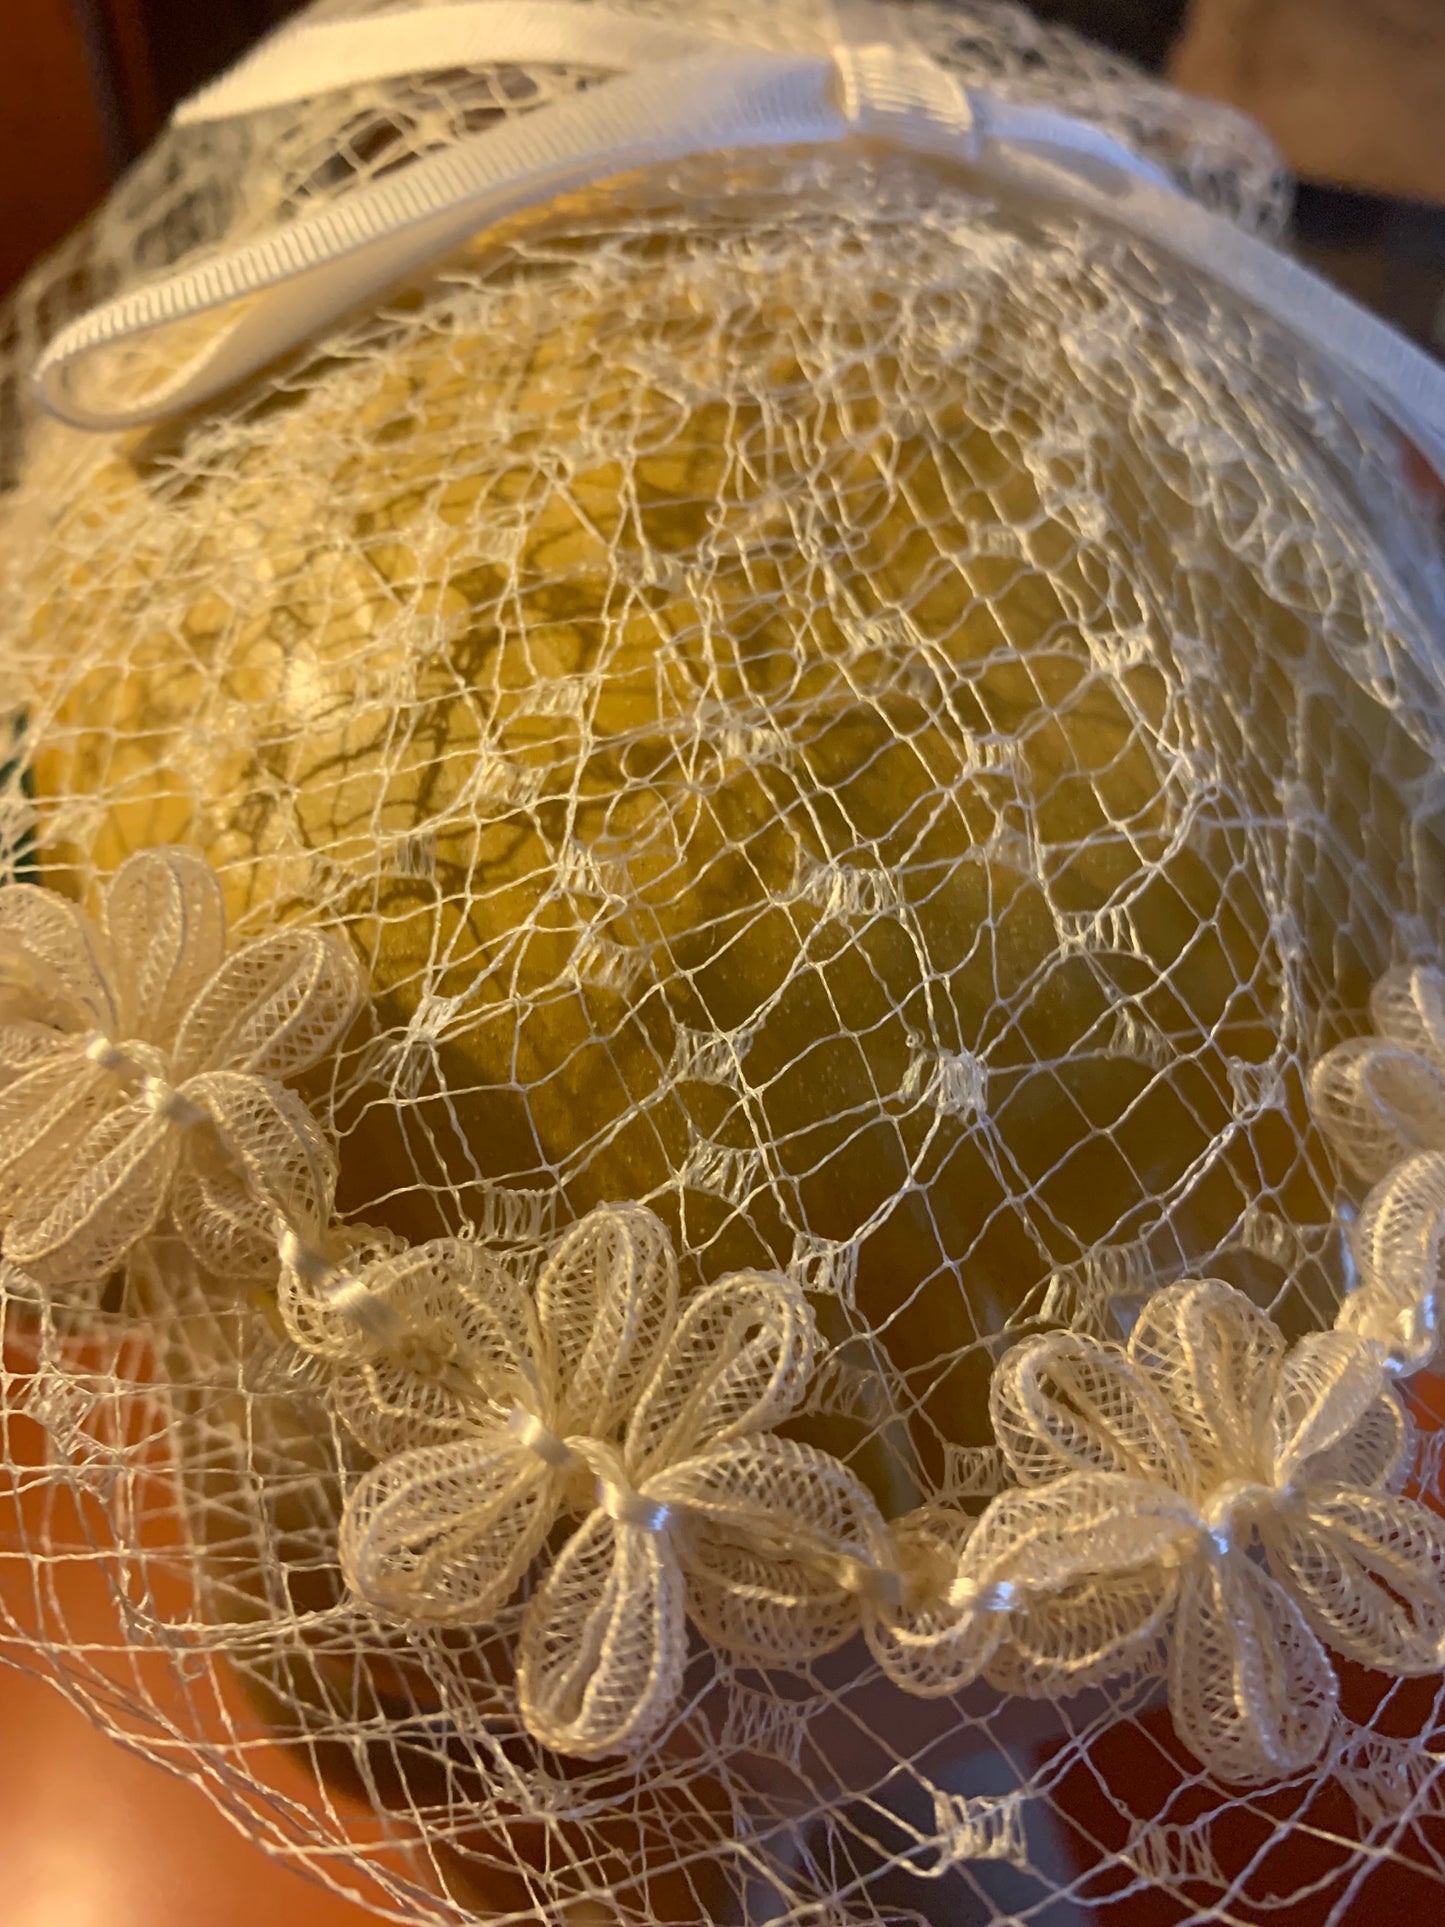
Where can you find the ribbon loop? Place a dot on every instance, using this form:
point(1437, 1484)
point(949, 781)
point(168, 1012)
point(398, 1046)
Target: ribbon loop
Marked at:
point(319, 56)
point(141, 358)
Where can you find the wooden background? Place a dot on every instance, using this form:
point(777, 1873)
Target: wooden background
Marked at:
point(85, 85)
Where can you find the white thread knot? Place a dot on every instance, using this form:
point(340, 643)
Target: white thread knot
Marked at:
point(1230, 1512)
point(155, 1093)
point(110, 1057)
point(541, 1439)
point(626, 1506)
point(868, 1581)
point(99, 1138)
point(967, 1594)
point(304, 1259)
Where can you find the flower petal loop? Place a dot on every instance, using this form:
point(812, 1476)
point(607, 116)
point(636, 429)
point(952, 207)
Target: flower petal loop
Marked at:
point(1368, 1570)
point(1251, 1689)
point(445, 1534)
point(1063, 1404)
point(1213, 1357)
point(737, 1363)
point(782, 1544)
point(1399, 1246)
point(53, 964)
point(605, 1300)
point(165, 930)
point(604, 1642)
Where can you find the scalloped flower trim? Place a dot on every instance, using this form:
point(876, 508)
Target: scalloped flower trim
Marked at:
point(1205, 1490)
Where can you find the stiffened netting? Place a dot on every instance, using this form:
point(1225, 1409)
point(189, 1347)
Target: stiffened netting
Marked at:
point(722, 1045)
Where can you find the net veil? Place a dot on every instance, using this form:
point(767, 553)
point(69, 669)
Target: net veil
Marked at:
point(722, 1138)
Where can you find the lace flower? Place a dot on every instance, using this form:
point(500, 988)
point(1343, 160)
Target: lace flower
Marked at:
point(596, 1398)
point(1208, 1484)
point(140, 1068)
point(1381, 1102)
point(1380, 1099)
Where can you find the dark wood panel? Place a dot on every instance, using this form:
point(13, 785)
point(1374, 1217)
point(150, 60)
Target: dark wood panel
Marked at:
point(53, 159)
point(164, 49)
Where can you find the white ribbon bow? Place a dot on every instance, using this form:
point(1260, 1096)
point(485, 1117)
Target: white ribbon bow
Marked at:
point(141, 357)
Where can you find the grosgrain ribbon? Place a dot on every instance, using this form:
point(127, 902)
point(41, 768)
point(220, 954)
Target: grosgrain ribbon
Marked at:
point(702, 97)
point(316, 57)
point(676, 95)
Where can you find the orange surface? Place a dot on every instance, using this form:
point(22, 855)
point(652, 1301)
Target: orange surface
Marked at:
point(91, 1836)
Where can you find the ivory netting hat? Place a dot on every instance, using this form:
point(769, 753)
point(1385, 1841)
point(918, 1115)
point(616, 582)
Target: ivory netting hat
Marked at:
point(722, 1140)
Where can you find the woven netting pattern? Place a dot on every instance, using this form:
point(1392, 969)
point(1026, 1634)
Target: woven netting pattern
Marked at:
point(875, 720)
